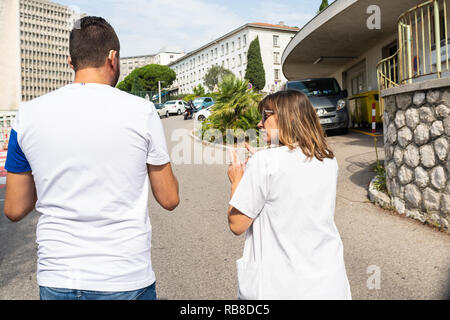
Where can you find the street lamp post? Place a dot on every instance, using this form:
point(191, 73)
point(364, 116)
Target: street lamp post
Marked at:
point(159, 90)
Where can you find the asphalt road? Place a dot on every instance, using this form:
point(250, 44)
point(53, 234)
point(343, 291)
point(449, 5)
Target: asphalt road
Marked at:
point(194, 253)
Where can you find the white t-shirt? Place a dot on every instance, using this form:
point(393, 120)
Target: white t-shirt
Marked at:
point(293, 250)
point(88, 146)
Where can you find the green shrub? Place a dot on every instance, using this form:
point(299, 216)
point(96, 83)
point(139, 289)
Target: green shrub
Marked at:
point(235, 107)
point(380, 177)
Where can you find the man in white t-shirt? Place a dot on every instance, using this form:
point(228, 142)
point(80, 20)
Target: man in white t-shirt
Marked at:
point(83, 156)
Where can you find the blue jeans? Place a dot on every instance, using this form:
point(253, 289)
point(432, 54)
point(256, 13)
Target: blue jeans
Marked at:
point(46, 293)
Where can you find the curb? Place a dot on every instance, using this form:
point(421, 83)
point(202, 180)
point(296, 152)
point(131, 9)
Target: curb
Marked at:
point(378, 197)
point(385, 202)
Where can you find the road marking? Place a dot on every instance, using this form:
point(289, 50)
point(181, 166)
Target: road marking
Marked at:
point(366, 133)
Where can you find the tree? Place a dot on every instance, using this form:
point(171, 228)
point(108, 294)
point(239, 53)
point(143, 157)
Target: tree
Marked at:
point(255, 73)
point(214, 76)
point(323, 6)
point(146, 78)
point(199, 91)
point(235, 107)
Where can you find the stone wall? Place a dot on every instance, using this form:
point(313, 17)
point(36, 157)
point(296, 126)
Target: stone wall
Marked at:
point(417, 138)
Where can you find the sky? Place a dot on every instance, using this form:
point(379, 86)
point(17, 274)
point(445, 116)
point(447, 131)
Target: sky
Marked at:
point(147, 26)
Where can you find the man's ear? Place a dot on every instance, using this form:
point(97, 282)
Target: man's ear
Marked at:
point(113, 57)
point(69, 61)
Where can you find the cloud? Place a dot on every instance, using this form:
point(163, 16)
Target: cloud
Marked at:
point(145, 26)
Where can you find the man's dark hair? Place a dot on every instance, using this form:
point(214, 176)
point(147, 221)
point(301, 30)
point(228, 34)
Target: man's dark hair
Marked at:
point(91, 40)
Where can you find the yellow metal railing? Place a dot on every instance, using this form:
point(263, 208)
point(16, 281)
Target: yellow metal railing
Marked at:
point(423, 46)
point(387, 72)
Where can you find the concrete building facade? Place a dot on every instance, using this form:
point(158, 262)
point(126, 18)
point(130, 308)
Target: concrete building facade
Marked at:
point(230, 51)
point(10, 76)
point(164, 57)
point(44, 40)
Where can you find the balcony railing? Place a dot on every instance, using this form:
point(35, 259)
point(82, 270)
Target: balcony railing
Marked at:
point(423, 46)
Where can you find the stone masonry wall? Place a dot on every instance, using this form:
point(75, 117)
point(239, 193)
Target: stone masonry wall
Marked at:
point(417, 138)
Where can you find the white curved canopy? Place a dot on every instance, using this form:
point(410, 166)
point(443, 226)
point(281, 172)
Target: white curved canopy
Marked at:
point(338, 35)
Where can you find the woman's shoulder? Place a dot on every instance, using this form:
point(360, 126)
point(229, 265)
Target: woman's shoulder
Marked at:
point(267, 154)
point(281, 152)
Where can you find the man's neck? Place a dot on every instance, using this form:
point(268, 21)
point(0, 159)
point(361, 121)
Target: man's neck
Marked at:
point(91, 75)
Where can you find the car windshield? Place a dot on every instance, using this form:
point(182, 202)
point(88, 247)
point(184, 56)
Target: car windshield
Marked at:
point(316, 88)
point(198, 101)
point(170, 102)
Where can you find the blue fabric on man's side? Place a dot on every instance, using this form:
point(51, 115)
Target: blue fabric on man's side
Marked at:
point(16, 162)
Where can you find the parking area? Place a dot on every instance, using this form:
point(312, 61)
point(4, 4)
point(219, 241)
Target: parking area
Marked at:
point(194, 253)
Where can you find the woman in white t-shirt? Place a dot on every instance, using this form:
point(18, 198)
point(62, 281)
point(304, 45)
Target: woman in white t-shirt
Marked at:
point(285, 199)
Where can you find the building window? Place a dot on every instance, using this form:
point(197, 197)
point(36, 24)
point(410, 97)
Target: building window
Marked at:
point(226, 48)
point(245, 40)
point(277, 75)
point(240, 60)
point(276, 41)
point(276, 58)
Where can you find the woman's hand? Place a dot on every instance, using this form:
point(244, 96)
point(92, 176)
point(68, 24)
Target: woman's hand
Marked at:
point(238, 222)
point(251, 150)
point(236, 169)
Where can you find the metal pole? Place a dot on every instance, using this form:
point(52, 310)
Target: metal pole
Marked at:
point(159, 91)
point(409, 53)
point(400, 54)
point(374, 118)
point(437, 34)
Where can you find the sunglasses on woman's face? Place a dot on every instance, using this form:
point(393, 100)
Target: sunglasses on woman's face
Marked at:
point(266, 115)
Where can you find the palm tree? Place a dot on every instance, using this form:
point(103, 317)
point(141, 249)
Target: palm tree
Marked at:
point(235, 107)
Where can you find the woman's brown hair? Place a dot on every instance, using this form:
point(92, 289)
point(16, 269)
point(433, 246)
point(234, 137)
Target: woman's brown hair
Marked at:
point(298, 123)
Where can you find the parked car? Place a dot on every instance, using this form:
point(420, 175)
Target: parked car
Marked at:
point(203, 103)
point(176, 106)
point(203, 114)
point(162, 110)
point(328, 98)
